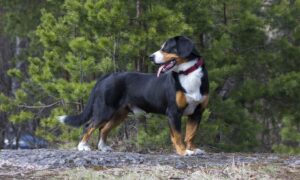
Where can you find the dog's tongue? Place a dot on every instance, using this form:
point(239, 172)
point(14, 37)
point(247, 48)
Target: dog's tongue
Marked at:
point(165, 67)
point(160, 69)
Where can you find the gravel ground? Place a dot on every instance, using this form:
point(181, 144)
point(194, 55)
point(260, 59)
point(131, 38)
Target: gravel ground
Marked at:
point(47, 162)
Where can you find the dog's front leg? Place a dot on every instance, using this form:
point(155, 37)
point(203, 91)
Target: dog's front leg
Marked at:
point(175, 132)
point(192, 125)
point(191, 130)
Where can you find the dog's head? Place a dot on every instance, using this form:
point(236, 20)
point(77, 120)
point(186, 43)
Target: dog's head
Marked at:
point(173, 52)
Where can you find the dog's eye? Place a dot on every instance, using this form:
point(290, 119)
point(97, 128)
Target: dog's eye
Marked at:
point(169, 50)
point(173, 50)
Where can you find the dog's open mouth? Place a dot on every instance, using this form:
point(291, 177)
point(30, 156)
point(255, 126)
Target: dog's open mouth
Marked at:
point(166, 66)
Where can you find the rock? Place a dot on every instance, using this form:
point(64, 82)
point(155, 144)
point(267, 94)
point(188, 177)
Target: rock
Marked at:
point(80, 162)
point(180, 165)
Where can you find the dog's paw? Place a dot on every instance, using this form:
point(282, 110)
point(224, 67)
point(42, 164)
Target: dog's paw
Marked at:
point(83, 147)
point(106, 149)
point(102, 146)
point(199, 152)
point(188, 152)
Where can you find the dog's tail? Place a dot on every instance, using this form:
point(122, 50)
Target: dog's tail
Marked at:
point(84, 116)
point(80, 119)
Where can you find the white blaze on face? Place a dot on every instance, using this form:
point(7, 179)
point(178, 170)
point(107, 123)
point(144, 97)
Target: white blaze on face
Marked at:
point(158, 57)
point(163, 45)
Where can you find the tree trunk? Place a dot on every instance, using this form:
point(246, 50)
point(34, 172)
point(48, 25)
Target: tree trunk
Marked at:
point(5, 81)
point(15, 83)
point(225, 13)
point(202, 41)
point(139, 61)
point(138, 8)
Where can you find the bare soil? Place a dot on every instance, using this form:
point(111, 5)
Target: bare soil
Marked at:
point(69, 164)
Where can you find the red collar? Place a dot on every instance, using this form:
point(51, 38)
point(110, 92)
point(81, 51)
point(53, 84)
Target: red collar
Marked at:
point(198, 64)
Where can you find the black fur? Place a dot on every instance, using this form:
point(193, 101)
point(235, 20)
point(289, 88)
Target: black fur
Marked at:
point(125, 90)
point(182, 46)
point(80, 119)
point(204, 89)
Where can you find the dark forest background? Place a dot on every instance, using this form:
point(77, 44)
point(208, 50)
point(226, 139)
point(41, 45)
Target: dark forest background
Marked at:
point(52, 51)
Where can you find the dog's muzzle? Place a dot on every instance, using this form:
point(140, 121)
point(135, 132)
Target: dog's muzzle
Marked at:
point(151, 57)
point(166, 67)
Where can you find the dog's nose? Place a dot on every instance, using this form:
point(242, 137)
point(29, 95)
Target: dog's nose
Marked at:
point(152, 57)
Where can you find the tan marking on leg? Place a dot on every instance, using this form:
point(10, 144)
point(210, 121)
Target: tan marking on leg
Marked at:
point(180, 100)
point(190, 133)
point(205, 102)
point(177, 142)
point(112, 123)
point(87, 135)
point(192, 127)
point(100, 127)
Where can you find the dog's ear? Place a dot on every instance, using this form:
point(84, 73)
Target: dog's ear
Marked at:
point(195, 52)
point(184, 46)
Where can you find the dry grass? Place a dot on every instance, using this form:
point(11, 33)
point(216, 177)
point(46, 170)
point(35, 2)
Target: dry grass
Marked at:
point(232, 172)
point(167, 172)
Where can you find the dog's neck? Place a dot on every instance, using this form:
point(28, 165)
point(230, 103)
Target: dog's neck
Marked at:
point(185, 66)
point(191, 83)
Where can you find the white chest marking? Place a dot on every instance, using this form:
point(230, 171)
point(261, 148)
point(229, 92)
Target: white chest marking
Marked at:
point(191, 83)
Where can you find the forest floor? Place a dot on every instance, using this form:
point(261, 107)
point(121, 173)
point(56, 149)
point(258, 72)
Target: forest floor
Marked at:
point(69, 164)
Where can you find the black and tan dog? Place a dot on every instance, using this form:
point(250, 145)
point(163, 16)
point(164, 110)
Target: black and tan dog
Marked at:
point(179, 88)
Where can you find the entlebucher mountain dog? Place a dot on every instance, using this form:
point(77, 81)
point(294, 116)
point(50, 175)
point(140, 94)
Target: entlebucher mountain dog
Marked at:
point(179, 88)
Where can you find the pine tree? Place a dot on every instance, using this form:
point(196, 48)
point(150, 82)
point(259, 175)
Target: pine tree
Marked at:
point(283, 90)
point(18, 19)
point(88, 40)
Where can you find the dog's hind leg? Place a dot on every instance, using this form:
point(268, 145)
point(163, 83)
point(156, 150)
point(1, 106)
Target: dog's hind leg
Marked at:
point(117, 118)
point(87, 132)
point(83, 144)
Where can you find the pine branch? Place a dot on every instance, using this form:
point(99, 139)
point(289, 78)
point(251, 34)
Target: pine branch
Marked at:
point(39, 107)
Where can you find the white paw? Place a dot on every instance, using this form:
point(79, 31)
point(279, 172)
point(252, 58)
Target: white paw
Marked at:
point(104, 147)
point(199, 152)
point(188, 152)
point(83, 147)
